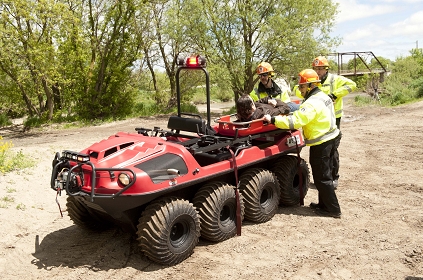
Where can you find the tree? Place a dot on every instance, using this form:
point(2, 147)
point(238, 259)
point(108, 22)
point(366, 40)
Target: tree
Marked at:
point(163, 40)
point(239, 34)
point(113, 47)
point(72, 54)
point(28, 51)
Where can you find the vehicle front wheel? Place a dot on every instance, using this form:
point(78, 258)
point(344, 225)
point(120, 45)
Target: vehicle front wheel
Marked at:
point(86, 217)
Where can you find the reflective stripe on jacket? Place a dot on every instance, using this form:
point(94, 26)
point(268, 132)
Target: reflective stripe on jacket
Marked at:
point(316, 116)
point(339, 86)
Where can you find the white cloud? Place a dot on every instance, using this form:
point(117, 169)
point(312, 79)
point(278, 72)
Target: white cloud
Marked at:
point(410, 26)
point(397, 1)
point(389, 28)
point(352, 10)
point(363, 32)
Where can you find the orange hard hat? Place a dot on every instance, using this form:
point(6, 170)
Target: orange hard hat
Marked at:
point(264, 67)
point(320, 61)
point(308, 76)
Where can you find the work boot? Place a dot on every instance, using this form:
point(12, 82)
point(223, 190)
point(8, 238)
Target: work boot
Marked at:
point(323, 212)
point(314, 205)
point(317, 206)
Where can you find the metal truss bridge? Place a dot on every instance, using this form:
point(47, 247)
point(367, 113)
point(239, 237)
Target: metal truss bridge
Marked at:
point(365, 58)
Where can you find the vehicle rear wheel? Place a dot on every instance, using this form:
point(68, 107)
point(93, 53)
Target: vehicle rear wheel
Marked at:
point(86, 217)
point(286, 169)
point(216, 204)
point(261, 192)
point(169, 230)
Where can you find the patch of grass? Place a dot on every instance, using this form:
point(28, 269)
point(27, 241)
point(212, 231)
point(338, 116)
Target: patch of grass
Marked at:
point(364, 100)
point(20, 206)
point(12, 161)
point(11, 181)
point(10, 190)
point(73, 125)
point(5, 201)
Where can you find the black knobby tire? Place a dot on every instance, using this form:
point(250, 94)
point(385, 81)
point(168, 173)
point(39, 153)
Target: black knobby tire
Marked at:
point(216, 204)
point(169, 230)
point(261, 192)
point(286, 169)
point(86, 217)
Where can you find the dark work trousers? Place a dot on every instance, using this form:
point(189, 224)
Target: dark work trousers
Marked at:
point(338, 123)
point(335, 160)
point(335, 170)
point(321, 160)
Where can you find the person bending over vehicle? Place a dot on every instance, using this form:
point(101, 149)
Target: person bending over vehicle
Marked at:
point(316, 116)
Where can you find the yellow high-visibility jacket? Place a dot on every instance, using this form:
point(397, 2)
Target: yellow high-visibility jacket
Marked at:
point(260, 92)
point(316, 116)
point(336, 85)
point(339, 86)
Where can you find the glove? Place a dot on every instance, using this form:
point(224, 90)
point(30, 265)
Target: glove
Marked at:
point(333, 97)
point(272, 102)
point(267, 118)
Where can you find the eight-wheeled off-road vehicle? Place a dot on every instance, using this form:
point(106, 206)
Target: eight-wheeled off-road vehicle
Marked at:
point(195, 178)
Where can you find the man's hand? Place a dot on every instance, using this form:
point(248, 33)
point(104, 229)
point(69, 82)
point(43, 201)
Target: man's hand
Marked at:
point(267, 118)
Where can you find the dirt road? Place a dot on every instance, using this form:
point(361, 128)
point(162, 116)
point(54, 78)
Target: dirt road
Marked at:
point(379, 236)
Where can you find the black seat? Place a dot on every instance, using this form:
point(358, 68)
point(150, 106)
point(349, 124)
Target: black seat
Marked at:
point(194, 125)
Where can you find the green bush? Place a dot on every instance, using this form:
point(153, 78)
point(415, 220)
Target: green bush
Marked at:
point(222, 94)
point(189, 108)
point(145, 109)
point(405, 83)
point(33, 122)
point(61, 116)
point(400, 97)
point(4, 120)
point(417, 85)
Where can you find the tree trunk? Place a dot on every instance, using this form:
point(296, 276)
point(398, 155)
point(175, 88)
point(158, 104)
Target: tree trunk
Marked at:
point(49, 97)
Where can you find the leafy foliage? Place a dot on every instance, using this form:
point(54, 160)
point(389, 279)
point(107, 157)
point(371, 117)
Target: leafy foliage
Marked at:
point(67, 60)
point(238, 35)
point(11, 161)
point(4, 120)
point(405, 82)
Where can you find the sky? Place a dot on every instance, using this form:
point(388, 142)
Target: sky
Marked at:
point(388, 28)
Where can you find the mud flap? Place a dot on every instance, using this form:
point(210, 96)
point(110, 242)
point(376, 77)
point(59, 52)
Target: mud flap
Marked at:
point(238, 203)
point(299, 171)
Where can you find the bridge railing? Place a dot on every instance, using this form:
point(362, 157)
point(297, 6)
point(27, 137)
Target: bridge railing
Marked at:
point(350, 72)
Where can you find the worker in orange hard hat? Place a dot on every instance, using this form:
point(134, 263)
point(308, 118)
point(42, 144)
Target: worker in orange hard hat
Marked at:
point(316, 117)
point(337, 87)
point(268, 88)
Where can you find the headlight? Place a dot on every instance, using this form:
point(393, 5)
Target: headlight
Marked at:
point(124, 179)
